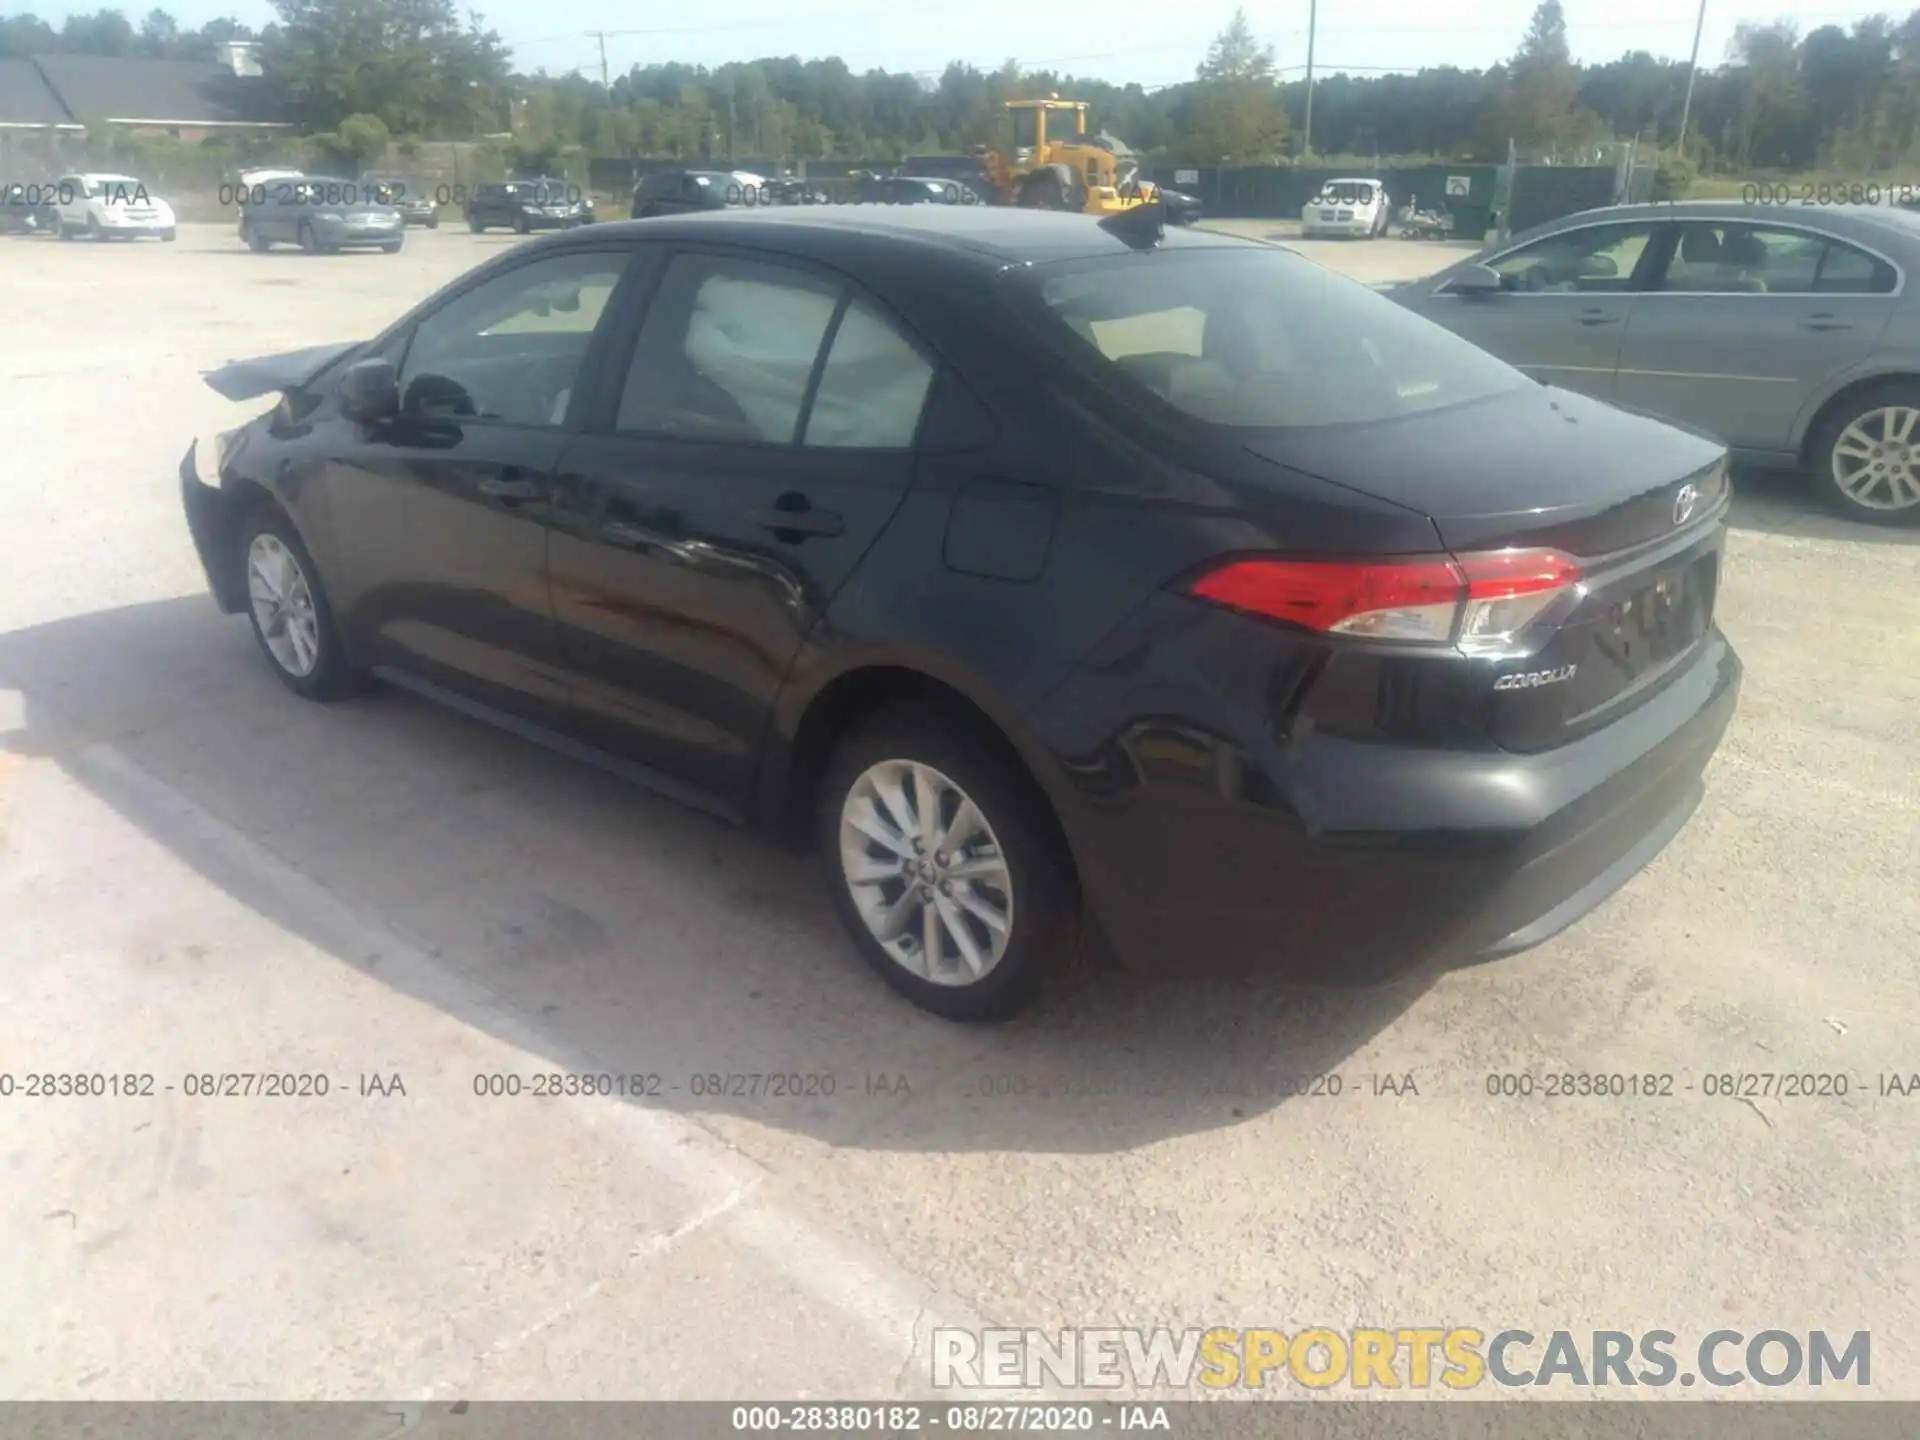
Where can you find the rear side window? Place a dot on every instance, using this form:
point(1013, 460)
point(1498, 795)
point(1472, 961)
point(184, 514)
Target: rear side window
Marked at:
point(730, 350)
point(1262, 338)
point(873, 387)
point(1847, 271)
point(727, 351)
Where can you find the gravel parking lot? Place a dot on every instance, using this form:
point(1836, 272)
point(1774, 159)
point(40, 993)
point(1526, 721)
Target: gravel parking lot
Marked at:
point(201, 875)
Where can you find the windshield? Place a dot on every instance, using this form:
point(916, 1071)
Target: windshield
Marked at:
point(1060, 127)
point(1264, 338)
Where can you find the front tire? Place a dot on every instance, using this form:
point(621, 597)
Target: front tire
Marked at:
point(474, 225)
point(1866, 455)
point(519, 224)
point(288, 610)
point(309, 239)
point(943, 864)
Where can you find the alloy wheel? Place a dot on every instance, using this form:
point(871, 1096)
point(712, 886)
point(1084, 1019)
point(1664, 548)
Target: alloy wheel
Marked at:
point(926, 872)
point(1876, 459)
point(282, 604)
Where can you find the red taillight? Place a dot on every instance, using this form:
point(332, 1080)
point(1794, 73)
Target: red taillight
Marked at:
point(1477, 601)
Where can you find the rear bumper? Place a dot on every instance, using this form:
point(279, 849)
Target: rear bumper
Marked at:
point(1206, 842)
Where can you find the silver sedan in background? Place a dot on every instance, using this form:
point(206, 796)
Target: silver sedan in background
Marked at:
point(1791, 333)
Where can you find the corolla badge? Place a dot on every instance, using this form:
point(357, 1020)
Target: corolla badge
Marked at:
point(1684, 500)
point(1533, 679)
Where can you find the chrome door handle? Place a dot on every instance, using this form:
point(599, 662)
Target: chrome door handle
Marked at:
point(1825, 322)
point(792, 513)
point(499, 487)
point(1597, 317)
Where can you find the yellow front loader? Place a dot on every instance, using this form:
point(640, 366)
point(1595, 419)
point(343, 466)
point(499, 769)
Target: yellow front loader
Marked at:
point(1057, 165)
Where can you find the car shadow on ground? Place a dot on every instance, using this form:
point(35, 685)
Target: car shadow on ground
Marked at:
point(1783, 502)
point(638, 937)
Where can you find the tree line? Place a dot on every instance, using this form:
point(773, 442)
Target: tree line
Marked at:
point(1844, 99)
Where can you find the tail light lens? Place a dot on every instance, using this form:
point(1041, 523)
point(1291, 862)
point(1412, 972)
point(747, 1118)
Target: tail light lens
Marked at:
point(1478, 602)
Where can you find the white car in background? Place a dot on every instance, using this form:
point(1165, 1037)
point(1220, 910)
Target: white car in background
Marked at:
point(106, 207)
point(1355, 208)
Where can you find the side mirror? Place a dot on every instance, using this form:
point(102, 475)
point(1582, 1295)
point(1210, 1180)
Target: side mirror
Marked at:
point(1475, 280)
point(369, 391)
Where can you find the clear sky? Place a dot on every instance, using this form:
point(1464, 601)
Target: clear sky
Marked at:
point(1149, 41)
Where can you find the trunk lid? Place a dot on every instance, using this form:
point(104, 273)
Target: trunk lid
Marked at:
point(1636, 501)
point(1532, 466)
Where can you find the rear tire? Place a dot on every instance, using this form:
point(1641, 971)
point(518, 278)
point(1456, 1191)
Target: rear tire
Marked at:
point(287, 608)
point(1011, 865)
point(474, 225)
point(1865, 457)
point(519, 224)
point(309, 241)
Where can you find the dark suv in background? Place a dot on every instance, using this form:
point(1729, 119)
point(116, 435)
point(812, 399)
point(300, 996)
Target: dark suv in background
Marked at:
point(24, 210)
point(523, 205)
point(967, 170)
point(675, 192)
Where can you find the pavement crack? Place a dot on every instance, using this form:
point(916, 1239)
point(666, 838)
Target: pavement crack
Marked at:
point(913, 1351)
point(1756, 1110)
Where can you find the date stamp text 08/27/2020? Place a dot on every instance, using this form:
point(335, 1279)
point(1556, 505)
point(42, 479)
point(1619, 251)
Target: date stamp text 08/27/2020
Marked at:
point(778, 1086)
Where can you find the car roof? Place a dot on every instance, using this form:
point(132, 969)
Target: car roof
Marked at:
point(108, 175)
point(989, 235)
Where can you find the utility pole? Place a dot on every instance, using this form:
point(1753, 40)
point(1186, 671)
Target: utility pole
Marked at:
point(1693, 68)
point(1306, 135)
point(601, 36)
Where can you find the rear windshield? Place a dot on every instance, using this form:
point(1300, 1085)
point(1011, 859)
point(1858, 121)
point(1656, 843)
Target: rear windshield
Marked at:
point(1263, 338)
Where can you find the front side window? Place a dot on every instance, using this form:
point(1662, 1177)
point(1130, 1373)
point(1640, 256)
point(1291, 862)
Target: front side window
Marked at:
point(509, 350)
point(1264, 338)
point(727, 351)
point(1596, 257)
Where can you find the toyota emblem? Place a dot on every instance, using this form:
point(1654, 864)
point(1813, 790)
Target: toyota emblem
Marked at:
point(1683, 503)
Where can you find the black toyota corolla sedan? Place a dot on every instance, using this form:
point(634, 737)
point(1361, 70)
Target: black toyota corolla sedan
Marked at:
point(1037, 568)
